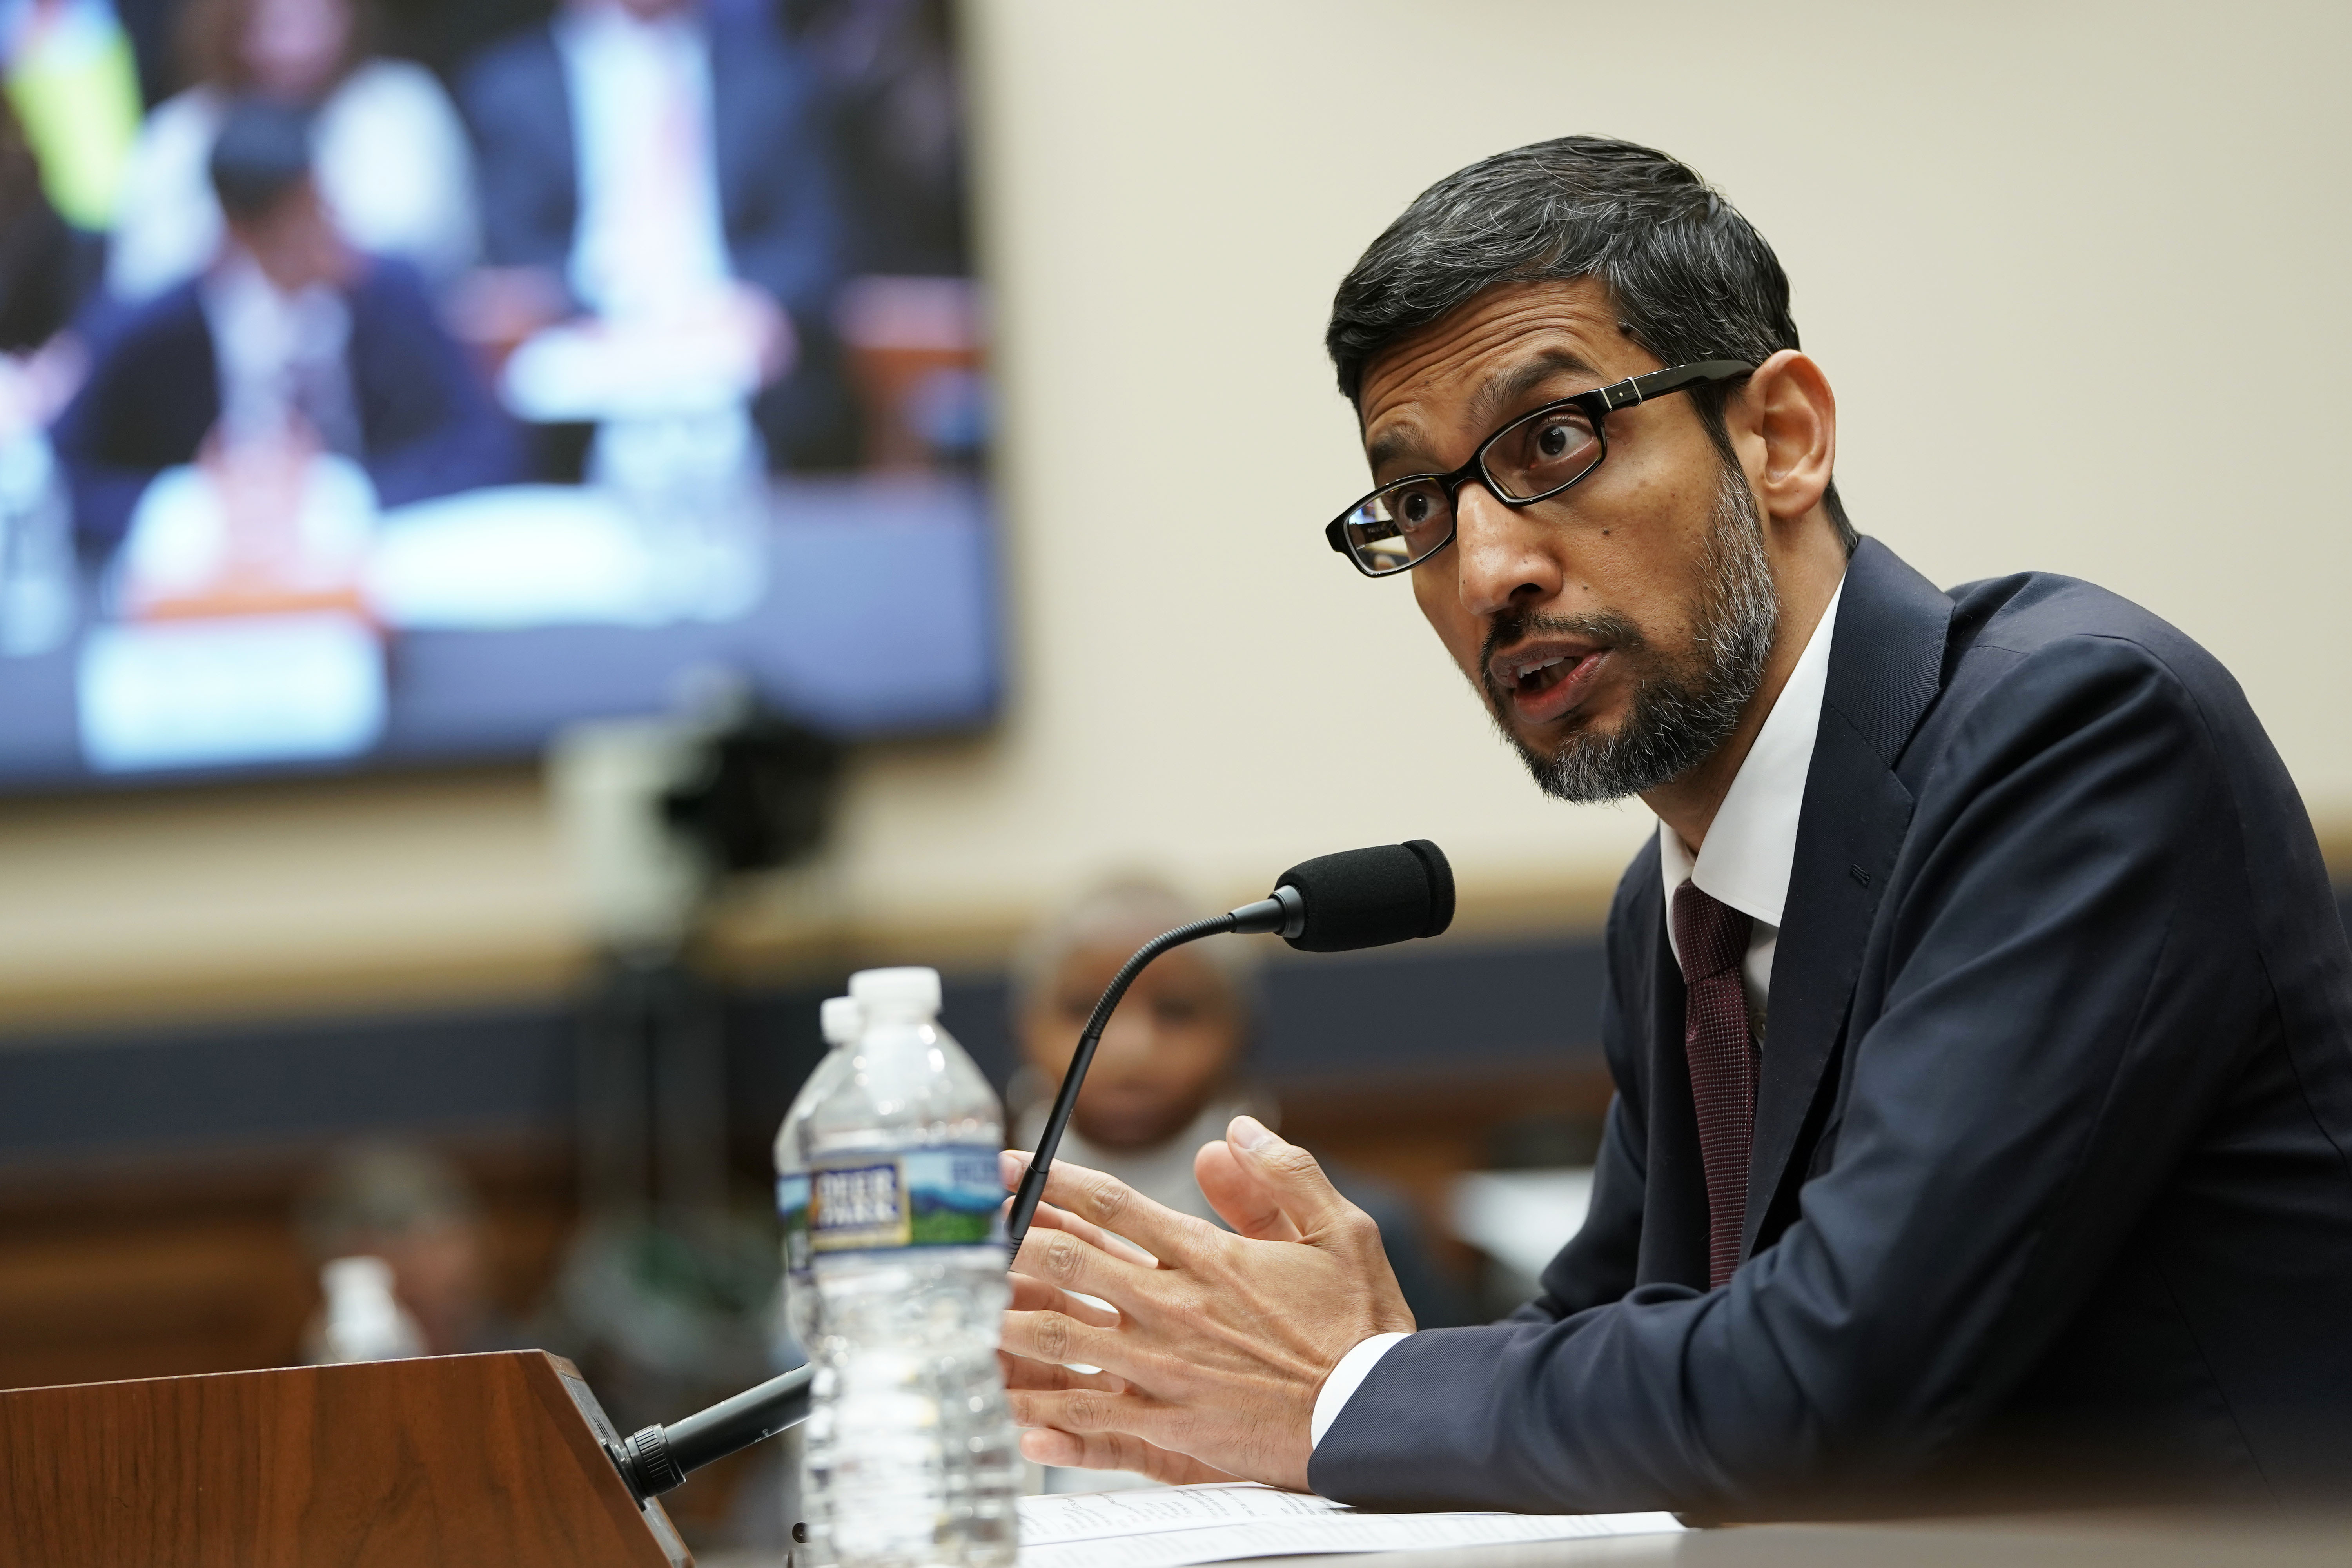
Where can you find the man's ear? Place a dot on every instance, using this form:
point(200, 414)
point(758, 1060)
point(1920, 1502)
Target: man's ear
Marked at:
point(1784, 425)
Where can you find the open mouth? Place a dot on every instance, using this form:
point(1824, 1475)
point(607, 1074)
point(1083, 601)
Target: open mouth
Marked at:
point(1545, 673)
point(1546, 681)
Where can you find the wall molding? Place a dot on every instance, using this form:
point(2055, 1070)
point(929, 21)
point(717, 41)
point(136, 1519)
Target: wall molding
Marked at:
point(776, 933)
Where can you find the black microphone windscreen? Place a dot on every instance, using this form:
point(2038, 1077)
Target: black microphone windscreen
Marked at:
point(1370, 898)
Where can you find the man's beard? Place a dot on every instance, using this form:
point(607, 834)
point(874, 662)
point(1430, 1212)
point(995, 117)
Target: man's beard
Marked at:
point(1683, 707)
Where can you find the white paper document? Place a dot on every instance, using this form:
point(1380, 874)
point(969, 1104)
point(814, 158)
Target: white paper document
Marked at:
point(1170, 1527)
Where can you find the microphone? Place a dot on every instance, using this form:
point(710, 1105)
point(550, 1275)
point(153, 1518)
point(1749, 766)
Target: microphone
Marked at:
point(656, 1459)
point(1368, 897)
point(1333, 904)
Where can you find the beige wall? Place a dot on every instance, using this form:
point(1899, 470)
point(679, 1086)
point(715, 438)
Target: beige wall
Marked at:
point(2076, 272)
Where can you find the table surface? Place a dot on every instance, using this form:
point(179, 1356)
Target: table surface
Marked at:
point(2067, 1540)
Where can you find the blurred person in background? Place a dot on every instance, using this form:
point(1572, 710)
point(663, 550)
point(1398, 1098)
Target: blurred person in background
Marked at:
point(413, 1209)
point(73, 85)
point(393, 170)
point(910, 317)
point(893, 116)
point(45, 268)
point(654, 189)
point(1171, 1070)
point(292, 346)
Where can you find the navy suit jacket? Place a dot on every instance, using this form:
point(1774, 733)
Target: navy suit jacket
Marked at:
point(426, 425)
point(2050, 1179)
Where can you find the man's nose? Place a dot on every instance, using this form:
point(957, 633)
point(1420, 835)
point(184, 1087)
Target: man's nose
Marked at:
point(1502, 556)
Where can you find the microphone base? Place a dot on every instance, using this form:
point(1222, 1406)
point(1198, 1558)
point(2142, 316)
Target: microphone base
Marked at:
point(645, 1462)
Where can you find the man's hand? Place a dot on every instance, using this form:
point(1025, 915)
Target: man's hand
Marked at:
point(1219, 1343)
point(262, 480)
point(766, 326)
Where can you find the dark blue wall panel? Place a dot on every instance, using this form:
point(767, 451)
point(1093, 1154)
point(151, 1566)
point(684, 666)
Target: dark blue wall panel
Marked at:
point(1451, 1007)
point(1459, 1007)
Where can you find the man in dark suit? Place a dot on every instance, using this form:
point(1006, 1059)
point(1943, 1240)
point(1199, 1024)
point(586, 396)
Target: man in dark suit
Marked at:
point(702, 131)
point(1981, 1019)
point(317, 346)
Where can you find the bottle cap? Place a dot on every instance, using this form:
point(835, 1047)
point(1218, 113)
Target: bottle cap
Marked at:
point(900, 991)
point(841, 1020)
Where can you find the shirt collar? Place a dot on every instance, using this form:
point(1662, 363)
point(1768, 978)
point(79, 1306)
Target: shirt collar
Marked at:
point(1752, 846)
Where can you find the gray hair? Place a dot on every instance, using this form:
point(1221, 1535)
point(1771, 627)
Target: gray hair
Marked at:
point(1115, 908)
point(1689, 277)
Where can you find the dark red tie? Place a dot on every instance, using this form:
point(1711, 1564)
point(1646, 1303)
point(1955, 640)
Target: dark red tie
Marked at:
point(1711, 939)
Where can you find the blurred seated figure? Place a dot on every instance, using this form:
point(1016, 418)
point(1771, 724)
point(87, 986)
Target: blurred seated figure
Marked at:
point(308, 383)
point(1167, 1075)
point(393, 164)
point(658, 230)
point(42, 276)
point(911, 319)
point(894, 114)
point(42, 271)
point(414, 1210)
point(72, 84)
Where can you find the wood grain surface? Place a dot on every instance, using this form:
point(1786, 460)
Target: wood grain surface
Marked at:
point(457, 1461)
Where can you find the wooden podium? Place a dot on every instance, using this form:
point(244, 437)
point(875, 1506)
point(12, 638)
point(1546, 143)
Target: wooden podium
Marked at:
point(459, 1460)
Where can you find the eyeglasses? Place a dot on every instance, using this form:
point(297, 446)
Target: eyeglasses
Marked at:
point(1532, 459)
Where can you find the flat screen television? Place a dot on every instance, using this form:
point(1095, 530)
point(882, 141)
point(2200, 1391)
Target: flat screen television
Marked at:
point(421, 404)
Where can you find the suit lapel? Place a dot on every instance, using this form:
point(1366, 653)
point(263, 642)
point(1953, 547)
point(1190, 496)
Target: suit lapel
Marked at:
point(1885, 667)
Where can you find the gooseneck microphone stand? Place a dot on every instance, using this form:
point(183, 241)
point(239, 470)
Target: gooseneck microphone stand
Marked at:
point(1284, 912)
point(1361, 898)
point(657, 1459)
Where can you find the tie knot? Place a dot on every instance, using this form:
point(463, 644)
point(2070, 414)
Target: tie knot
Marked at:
point(1710, 936)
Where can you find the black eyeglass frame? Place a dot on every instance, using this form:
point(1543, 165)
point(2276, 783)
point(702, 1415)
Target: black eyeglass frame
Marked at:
point(1597, 405)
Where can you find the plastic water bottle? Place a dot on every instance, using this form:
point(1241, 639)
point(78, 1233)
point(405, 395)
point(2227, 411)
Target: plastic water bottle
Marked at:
point(842, 1021)
point(365, 1321)
point(911, 1456)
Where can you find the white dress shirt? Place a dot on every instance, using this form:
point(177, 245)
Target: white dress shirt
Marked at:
point(1750, 848)
point(651, 239)
point(279, 354)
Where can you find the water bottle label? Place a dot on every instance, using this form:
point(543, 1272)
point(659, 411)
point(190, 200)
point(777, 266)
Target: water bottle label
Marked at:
point(792, 1208)
point(923, 1197)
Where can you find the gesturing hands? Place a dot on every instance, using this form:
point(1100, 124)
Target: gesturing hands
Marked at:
point(1219, 1343)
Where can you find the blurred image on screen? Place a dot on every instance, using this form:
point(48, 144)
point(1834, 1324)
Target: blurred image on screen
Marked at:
point(362, 408)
